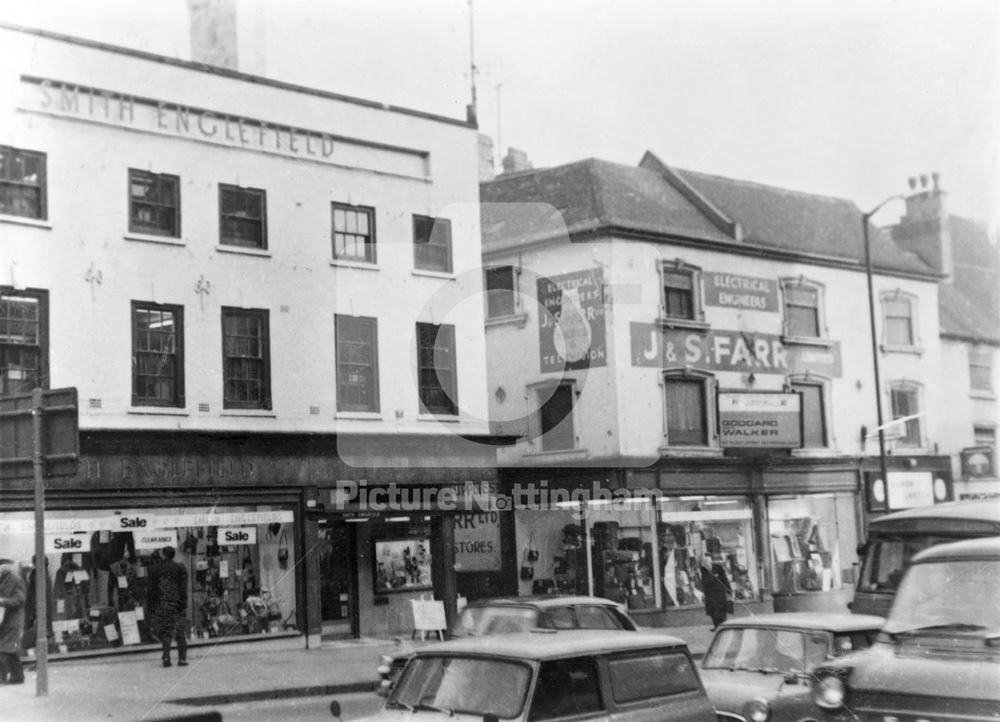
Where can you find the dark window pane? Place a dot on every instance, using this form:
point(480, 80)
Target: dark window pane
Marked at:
point(686, 418)
point(353, 233)
point(656, 674)
point(154, 203)
point(157, 377)
point(813, 418)
point(436, 368)
point(905, 402)
point(500, 292)
point(566, 687)
point(556, 416)
point(357, 364)
point(22, 183)
point(246, 365)
point(432, 243)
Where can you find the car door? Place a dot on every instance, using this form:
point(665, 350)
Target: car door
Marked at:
point(656, 685)
point(568, 689)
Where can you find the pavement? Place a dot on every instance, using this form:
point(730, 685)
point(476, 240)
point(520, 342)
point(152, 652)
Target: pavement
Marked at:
point(137, 687)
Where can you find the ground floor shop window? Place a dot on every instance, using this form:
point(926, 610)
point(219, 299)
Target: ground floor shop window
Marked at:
point(624, 559)
point(690, 528)
point(812, 537)
point(240, 562)
point(551, 552)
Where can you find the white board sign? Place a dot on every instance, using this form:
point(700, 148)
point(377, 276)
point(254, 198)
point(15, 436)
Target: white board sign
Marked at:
point(155, 539)
point(230, 535)
point(428, 615)
point(77, 542)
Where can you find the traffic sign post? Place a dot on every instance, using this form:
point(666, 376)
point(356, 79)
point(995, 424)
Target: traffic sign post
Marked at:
point(39, 437)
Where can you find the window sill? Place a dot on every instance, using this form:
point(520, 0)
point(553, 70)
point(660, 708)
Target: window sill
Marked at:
point(690, 324)
point(806, 341)
point(359, 415)
point(982, 394)
point(359, 265)
point(912, 350)
point(711, 451)
point(811, 452)
point(556, 453)
point(443, 275)
point(443, 418)
point(25, 221)
point(252, 413)
point(156, 411)
point(162, 240)
point(241, 251)
point(518, 319)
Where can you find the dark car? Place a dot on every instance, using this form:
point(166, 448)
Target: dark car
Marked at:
point(548, 675)
point(938, 656)
point(757, 668)
point(509, 615)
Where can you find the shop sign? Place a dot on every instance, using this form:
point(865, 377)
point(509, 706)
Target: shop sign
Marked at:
point(721, 350)
point(978, 462)
point(156, 539)
point(730, 290)
point(73, 543)
point(477, 541)
point(908, 489)
point(571, 330)
point(138, 522)
point(237, 535)
point(760, 420)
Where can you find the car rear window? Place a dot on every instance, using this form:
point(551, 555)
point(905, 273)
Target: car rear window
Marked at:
point(566, 687)
point(495, 620)
point(591, 616)
point(651, 674)
point(561, 617)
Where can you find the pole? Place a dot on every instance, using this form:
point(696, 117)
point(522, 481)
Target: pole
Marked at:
point(41, 602)
point(875, 350)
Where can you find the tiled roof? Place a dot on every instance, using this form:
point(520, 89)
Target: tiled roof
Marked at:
point(654, 199)
point(969, 302)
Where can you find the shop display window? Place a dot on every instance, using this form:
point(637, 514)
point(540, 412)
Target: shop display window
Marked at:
point(810, 536)
point(403, 564)
point(690, 528)
point(623, 554)
point(551, 553)
point(240, 563)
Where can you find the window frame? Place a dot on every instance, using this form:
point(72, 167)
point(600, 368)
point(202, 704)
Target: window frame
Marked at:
point(450, 390)
point(694, 273)
point(223, 216)
point(41, 347)
point(371, 324)
point(709, 389)
point(42, 185)
point(896, 295)
point(544, 392)
point(514, 295)
point(822, 383)
point(135, 173)
point(802, 283)
point(371, 250)
point(437, 226)
point(981, 356)
point(915, 390)
point(177, 400)
point(264, 404)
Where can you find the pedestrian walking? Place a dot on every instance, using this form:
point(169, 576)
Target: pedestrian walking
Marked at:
point(167, 600)
point(715, 586)
point(13, 593)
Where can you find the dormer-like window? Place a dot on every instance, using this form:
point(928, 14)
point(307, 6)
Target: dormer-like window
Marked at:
point(803, 307)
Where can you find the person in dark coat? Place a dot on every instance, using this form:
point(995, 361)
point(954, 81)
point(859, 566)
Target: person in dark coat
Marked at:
point(13, 593)
point(167, 601)
point(715, 585)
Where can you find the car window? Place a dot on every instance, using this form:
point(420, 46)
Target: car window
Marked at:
point(456, 684)
point(592, 616)
point(785, 650)
point(652, 674)
point(494, 620)
point(561, 617)
point(853, 641)
point(566, 687)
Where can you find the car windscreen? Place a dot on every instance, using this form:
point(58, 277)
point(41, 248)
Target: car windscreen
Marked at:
point(456, 684)
point(948, 596)
point(767, 649)
point(499, 619)
point(887, 557)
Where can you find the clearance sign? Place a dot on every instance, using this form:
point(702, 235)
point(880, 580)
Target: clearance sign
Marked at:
point(754, 420)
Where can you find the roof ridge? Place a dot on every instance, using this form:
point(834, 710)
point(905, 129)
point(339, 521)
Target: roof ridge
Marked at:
point(768, 186)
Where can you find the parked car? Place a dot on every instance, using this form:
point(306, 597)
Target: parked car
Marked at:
point(757, 668)
point(549, 674)
point(508, 615)
point(938, 655)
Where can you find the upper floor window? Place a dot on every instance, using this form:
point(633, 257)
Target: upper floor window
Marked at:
point(157, 355)
point(432, 244)
point(905, 404)
point(353, 233)
point(686, 397)
point(981, 368)
point(898, 312)
point(23, 340)
point(680, 297)
point(813, 413)
point(246, 360)
point(357, 363)
point(436, 369)
point(242, 217)
point(984, 436)
point(803, 302)
point(555, 416)
point(154, 203)
point(501, 292)
point(22, 183)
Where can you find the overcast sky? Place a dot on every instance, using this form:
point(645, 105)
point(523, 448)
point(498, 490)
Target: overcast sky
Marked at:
point(845, 98)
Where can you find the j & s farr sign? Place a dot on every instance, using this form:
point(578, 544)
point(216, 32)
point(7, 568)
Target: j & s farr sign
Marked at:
point(720, 350)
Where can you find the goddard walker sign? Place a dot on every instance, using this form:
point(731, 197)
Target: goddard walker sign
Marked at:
point(754, 420)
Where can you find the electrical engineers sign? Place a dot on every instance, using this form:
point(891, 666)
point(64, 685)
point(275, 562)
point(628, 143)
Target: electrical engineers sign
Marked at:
point(758, 420)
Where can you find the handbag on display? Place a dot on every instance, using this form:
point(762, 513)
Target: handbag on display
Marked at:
point(283, 550)
point(190, 544)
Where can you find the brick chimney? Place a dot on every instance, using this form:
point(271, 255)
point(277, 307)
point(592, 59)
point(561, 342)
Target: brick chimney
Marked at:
point(923, 230)
point(516, 161)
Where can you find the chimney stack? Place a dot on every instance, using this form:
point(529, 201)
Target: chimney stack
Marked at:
point(515, 161)
point(924, 230)
point(213, 32)
point(486, 172)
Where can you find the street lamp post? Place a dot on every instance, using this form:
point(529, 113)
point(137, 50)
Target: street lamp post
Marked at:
point(865, 217)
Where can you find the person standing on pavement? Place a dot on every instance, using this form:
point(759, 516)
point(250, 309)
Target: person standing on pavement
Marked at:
point(167, 600)
point(715, 585)
point(12, 596)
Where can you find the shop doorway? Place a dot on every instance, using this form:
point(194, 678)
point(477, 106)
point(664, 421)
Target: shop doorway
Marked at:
point(337, 546)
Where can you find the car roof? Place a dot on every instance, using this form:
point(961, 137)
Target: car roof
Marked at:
point(825, 621)
point(969, 549)
point(974, 510)
point(548, 644)
point(543, 600)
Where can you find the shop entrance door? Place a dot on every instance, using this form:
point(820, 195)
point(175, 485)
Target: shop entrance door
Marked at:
point(338, 578)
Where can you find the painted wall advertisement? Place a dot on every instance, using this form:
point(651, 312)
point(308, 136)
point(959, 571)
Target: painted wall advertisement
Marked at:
point(571, 335)
point(730, 290)
point(755, 420)
point(477, 541)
